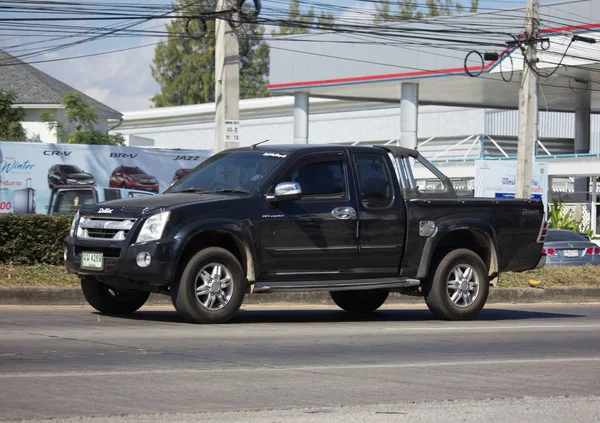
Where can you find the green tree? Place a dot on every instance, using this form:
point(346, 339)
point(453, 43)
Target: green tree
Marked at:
point(298, 22)
point(11, 117)
point(81, 123)
point(411, 9)
point(184, 65)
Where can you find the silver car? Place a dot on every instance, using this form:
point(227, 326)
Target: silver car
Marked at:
point(568, 248)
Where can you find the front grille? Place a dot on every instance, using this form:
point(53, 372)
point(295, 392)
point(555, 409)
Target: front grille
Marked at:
point(102, 228)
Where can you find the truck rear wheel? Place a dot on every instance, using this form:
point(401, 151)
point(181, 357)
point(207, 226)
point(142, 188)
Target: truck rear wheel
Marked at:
point(211, 287)
point(109, 300)
point(360, 301)
point(458, 285)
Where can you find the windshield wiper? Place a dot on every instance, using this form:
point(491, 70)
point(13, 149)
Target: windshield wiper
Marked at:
point(195, 190)
point(231, 191)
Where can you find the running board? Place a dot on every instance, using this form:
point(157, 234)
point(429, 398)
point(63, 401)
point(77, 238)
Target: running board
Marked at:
point(346, 285)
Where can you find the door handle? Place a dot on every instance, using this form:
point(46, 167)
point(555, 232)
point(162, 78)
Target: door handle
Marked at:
point(344, 213)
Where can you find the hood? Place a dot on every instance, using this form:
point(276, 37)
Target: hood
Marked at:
point(151, 203)
point(79, 176)
point(139, 175)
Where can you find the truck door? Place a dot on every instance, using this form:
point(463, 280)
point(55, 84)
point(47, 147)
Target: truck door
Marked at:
point(315, 236)
point(382, 225)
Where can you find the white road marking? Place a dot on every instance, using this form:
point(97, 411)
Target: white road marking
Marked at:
point(494, 328)
point(488, 363)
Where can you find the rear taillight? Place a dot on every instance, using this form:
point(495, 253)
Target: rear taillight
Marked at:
point(592, 251)
point(543, 232)
point(549, 251)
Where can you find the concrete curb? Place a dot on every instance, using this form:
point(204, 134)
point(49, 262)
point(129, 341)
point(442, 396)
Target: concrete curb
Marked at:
point(73, 296)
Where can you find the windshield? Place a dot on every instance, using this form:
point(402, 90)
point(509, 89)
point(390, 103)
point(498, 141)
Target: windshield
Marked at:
point(133, 170)
point(234, 170)
point(68, 202)
point(70, 169)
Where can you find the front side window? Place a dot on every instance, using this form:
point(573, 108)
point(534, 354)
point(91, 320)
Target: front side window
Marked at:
point(231, 170)
point(321, 179)
point(374, 179)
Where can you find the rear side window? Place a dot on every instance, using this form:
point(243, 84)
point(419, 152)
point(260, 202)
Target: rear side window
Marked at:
point(321, 179)
point(374, 181)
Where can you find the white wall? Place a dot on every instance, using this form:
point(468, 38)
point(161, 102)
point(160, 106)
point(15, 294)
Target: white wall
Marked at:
point(330, 121)
point(34, 127)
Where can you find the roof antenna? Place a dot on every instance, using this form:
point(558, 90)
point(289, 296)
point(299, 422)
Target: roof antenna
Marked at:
point(253, 146)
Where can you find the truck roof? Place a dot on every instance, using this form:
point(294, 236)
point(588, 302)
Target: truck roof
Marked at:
point(289, 148)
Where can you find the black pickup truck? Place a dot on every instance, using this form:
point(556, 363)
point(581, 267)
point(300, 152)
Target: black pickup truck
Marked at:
point(348, 220)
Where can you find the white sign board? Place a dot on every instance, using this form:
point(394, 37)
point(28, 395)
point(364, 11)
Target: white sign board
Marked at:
point(497, 179)
point(232, 131)
point(29, 170)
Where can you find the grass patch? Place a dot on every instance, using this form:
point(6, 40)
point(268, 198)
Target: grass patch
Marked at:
point(36, 275)
point(550, 276)
point(553, 276)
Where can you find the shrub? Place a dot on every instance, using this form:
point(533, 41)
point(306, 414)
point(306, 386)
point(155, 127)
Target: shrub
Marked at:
point(562, 218)
point(32, 239)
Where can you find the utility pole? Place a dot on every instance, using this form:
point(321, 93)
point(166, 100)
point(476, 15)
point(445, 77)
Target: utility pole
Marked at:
point(528, 104)
point(227, 81)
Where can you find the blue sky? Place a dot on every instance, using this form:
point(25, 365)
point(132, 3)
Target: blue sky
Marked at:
point(123, 80)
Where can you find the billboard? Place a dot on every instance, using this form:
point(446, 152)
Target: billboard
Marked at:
point(30, 171)
point(497, 179)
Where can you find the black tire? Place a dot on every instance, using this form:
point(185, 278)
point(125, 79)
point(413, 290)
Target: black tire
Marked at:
point(438, 287)
point(189, 305)
point(365, 301)
point(110, 301)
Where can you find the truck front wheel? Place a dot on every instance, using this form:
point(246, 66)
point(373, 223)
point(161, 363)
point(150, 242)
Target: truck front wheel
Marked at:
point(360, 301)
point(458, 285)
point(211, 287)
point(109, 300)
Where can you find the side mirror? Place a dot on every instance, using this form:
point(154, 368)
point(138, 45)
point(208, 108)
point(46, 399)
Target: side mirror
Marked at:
point(286, 191)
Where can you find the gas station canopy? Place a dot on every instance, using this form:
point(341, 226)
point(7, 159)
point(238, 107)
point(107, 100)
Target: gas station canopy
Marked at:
point(434, 53)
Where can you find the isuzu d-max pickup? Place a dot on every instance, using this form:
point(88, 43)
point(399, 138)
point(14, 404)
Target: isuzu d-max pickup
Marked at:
point(350, 220)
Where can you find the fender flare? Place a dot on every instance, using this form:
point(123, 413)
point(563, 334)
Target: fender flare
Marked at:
point(240, 231)
point(479, 226)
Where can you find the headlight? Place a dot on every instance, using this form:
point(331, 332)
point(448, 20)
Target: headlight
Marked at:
point(72, 181)
point(153, 227)
point(73, 224)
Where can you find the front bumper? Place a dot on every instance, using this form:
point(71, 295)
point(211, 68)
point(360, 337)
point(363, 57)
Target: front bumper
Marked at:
point(120, 259)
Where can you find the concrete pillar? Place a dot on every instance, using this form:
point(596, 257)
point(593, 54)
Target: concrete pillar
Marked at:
point(582, 145)
point(409, 115)
point(301, 111)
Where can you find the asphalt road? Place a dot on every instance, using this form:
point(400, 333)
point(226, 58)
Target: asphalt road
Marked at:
point(525, 363)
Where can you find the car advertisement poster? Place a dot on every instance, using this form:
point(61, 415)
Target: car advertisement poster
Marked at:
point(497, 179)
point(29, 172)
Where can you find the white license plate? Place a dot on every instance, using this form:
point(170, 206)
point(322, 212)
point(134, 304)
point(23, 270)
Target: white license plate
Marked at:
point(571, 253)
point(92, 261)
